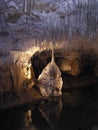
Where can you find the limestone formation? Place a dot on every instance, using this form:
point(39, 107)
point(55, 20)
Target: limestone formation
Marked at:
point(50, 80)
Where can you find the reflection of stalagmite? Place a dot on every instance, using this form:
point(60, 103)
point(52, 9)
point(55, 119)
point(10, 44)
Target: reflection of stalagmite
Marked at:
point(27, 123)
point(51, 111)
point(50, 81)
point(27, 118)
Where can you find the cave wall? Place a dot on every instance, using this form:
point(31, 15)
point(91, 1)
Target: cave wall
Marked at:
point(15, 72)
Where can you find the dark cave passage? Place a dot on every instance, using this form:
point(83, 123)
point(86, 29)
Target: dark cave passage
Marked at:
point(39, 60)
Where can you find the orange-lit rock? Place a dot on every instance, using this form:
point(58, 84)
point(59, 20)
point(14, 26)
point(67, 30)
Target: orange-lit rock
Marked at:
point(70, 64)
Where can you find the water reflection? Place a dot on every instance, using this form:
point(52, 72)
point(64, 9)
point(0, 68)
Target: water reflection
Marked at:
point(51, 111)
point(73, 111)
point(27, 118)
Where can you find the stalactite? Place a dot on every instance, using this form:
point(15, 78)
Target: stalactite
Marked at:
point(25, 6)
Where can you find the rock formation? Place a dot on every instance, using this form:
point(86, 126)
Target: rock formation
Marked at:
point(50, 81)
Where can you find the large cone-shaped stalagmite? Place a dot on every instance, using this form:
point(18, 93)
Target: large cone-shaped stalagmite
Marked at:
point(50, 81)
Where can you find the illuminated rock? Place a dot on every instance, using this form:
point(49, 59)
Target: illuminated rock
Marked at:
point(71, 64)
point(50, 80)
point(16, 72)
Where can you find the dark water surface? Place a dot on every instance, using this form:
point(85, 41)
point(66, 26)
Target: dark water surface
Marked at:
point(75, 110)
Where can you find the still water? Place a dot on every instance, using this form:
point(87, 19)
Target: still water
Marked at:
point(75, 110)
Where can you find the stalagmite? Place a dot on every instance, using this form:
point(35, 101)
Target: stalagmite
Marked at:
point(50, 81)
